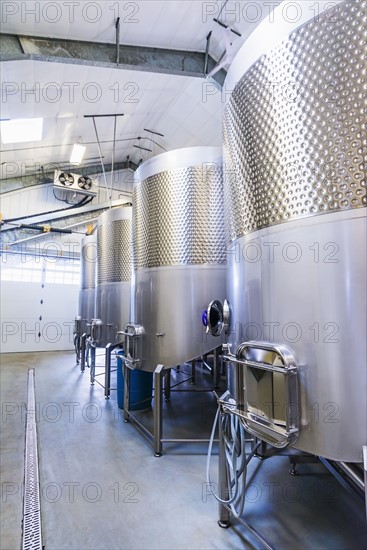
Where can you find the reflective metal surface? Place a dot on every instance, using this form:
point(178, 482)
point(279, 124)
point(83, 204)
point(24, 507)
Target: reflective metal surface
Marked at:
point(271, 375)
point(179, 158)
point(113, 273)
point(169, 304)
point(88, 265)
point(294, 126)
point(178, 213)
point(295, 187)
point(284, 18)
point(114, 246)
point(217, 317)
point(303, 285)
point(179, 253)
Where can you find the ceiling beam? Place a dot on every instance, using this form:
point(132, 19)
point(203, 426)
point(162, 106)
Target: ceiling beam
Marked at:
point(136, 58)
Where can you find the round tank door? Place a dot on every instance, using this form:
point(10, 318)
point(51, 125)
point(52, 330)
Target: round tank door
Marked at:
point(216, 318)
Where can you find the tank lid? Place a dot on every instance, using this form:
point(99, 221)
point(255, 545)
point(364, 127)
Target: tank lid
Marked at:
point(115, 214)
point(89, 239)
point(179, 158)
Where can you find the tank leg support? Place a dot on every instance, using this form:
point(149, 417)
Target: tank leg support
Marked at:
point(107, 374)
point(82, 352)
point(78, 350)
point(126, 372)
point(224, 515)
point(261, 450)
point(167, 385)
point(193, 373)
point(158, 410)
point(92, 363)
point(217, 366)
point(365, 475)
point(77, 340)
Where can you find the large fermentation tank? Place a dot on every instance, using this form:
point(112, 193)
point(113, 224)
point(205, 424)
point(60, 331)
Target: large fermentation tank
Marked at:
point(179, 253)
point(295, 192)
point(88, 260)
point(113, 274)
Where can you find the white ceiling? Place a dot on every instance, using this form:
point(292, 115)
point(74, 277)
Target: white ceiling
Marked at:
point(170, 105)
point(170, 24)
point(176, 106)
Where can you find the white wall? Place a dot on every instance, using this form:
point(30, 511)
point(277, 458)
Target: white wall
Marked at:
point(21, 310)
point(21, 306)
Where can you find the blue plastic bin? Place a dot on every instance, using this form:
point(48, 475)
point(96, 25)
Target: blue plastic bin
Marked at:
point(141, 387)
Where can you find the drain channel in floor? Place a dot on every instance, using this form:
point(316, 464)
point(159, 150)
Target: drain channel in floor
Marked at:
point(32, 533)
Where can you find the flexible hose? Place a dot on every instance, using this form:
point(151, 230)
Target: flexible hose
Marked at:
point(83, 202)
point(236, 461)
point(88, 351)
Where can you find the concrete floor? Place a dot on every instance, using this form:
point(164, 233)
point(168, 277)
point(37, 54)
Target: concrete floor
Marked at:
point(102, 488)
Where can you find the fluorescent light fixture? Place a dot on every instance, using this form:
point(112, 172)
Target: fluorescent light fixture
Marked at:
point(77, 153)
point(21, 130)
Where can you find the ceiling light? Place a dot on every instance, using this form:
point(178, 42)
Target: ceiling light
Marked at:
point(77, 153)
point(20, 130)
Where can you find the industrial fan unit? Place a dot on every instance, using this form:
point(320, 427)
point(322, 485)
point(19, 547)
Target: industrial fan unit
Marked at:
point(77, 183)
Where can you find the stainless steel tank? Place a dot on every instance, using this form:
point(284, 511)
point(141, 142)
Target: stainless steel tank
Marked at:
point(88, 266)
point(179, 254)
point(114, 271)
point(295, 193)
